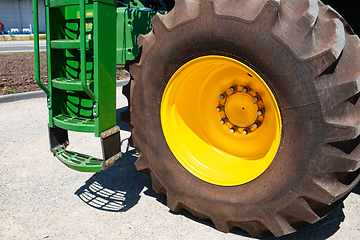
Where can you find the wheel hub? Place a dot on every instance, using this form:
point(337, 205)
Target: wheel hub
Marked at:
point(241, 109)
point(220, 120)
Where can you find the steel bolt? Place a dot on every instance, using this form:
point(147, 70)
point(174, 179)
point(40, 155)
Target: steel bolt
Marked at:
point(260, 113)
point(232, 89)
point(222, 121)
point(245, 132)
point(218, 109)
point(94, 114)
point(232, 130)
point(255, 125)
point(245, 90)
point(222, 96)
point(94, 106)
point(256, 99)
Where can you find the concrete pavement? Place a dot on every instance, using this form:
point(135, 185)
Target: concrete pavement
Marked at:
point(42, 198)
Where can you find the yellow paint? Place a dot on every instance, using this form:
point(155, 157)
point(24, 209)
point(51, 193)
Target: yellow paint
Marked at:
point(192, 128)
point(241, 110)
point(88, 14)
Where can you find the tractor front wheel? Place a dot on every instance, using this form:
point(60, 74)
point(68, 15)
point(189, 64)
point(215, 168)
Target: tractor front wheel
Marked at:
point(246, 112)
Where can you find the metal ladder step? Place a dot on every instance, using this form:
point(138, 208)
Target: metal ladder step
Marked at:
point(110, 143)
point(70, 44)
point(80, 124)
point(71, 84)
point(79, 161)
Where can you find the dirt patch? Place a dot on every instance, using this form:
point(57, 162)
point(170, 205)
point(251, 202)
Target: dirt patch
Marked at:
point(17, 72)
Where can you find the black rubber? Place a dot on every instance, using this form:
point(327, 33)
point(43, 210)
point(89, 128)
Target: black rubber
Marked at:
point(309, 58)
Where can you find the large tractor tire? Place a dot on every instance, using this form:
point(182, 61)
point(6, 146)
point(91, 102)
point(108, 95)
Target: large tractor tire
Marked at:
point(246, 112)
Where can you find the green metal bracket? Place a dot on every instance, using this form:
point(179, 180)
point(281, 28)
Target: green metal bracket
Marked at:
point(130, 23)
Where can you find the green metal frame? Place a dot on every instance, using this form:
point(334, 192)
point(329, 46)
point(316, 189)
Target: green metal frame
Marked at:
point(81, 64)
point(86, 39)
point(36, 48)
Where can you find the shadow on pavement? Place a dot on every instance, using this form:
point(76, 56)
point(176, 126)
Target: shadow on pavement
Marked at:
point(356, 189)
point(322, 229)
point(115, 189)
point(118, 188)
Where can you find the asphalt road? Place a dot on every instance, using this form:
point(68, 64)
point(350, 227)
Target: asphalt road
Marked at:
point(20, 46)
point(40, 198)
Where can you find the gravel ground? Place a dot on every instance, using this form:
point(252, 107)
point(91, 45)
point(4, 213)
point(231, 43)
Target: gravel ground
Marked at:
point(40, 198)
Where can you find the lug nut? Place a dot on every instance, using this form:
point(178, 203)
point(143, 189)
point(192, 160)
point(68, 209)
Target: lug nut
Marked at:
point(255, 125)
point(245, 132)
point(218, 109)
point(245, 90)
point(222, 96)
point(232, 89)
point(232, 130)
point(260, 113)
point(222, 121)
point(256, 99)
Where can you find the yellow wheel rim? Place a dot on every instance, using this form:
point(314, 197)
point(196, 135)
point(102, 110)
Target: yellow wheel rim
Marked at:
point(220, 120)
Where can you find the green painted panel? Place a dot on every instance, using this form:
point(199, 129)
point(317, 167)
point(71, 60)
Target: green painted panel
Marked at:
point(105, 66)
point(130, 23)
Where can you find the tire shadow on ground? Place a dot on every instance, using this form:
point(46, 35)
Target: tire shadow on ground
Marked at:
point(320, 230)
point(118, 188)
point(356, 189)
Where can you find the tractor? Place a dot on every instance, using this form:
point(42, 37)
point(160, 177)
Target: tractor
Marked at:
point(242, 112)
